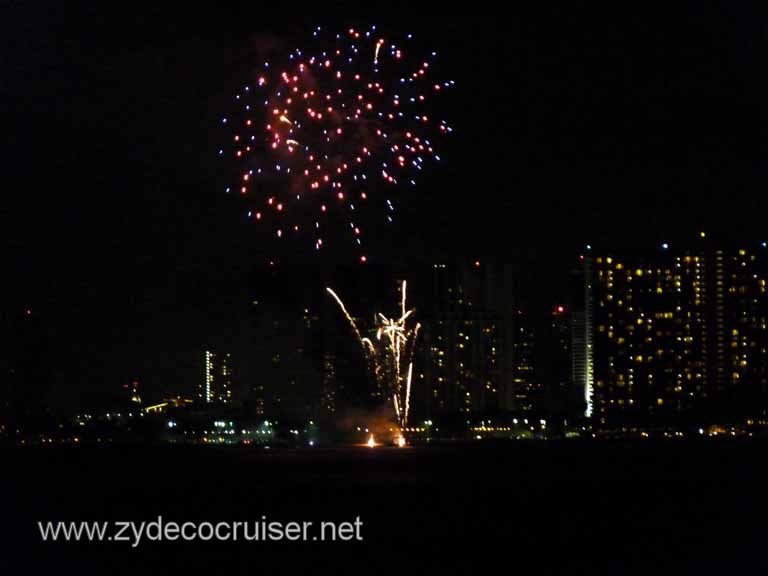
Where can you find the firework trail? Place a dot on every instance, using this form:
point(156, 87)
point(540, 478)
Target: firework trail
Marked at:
point(365, 342)
point(327, 139)
point(391, 354)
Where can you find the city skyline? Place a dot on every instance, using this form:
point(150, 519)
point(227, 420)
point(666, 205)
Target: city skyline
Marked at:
point(147, 256)
point(488, 284)
point(487, 352)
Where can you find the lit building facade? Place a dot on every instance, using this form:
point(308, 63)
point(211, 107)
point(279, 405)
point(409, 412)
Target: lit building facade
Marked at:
point(650, 334)
point(464, 342)
point(216, 385)
point(328, 398)
point(528, 387)
point(582, 335)
point(676, 336)
point(743, 379)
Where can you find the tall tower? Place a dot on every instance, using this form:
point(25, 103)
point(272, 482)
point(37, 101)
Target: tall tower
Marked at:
point(216, 387)
point(554, 362)
point(527, 386)
point(582, 336)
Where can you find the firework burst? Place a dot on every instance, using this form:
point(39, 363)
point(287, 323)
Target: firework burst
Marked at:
point(390, 353)
point(326, 141)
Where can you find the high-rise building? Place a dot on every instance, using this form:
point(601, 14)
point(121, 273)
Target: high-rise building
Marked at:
point(553, 361)
point(582, 365)
point(649, 341)
point(216, 385)
point(743, 378)
point(465, 341)
point(675, 335)
point(286, 362)
point(328, 398)
point(527, 386)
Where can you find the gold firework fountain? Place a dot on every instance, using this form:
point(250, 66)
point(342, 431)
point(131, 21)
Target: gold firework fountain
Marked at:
point(390, 354)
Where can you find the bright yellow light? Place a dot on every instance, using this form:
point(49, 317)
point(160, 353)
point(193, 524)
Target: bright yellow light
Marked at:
point(371, 442)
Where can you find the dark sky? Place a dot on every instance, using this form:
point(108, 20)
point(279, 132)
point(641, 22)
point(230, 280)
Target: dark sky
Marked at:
point(574, 123)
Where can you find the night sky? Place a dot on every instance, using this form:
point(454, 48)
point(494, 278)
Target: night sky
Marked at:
point(572, 124)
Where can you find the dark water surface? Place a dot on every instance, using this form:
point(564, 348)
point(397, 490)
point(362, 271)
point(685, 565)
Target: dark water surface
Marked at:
point(509, 508)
